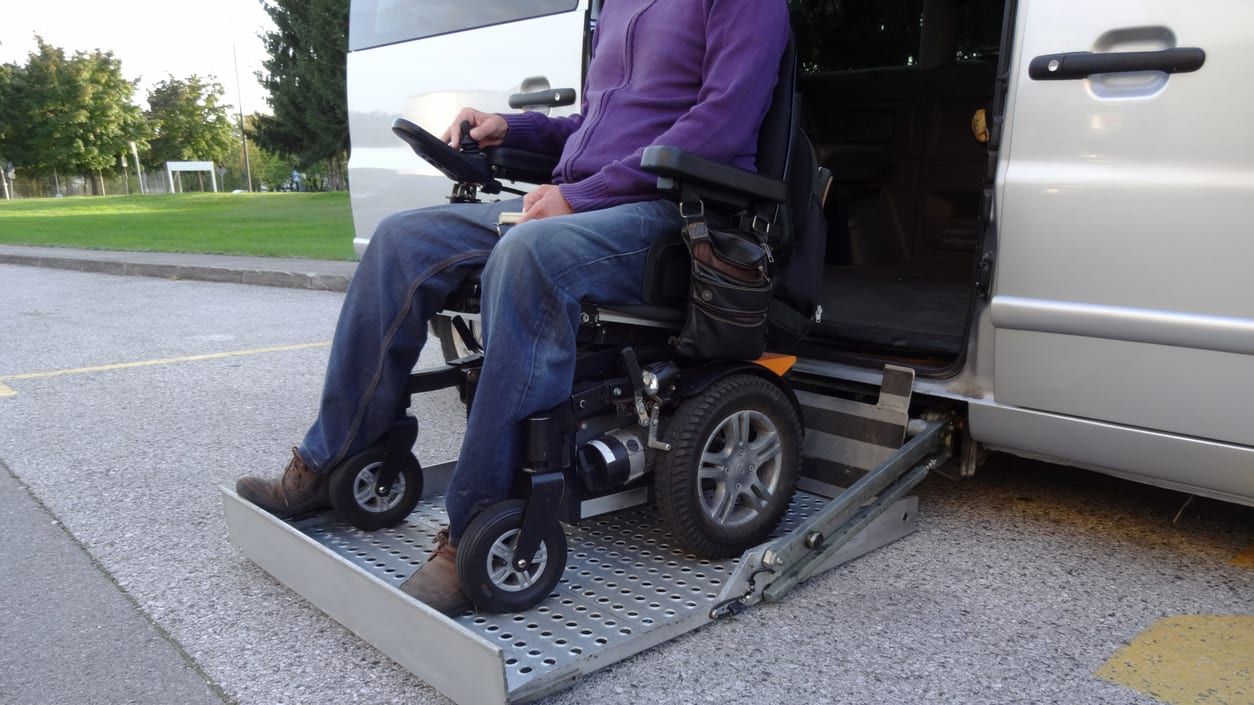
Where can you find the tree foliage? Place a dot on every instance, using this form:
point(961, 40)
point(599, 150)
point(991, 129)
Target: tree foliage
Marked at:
point(68, 113)
point(305, 78)
point(189, 121)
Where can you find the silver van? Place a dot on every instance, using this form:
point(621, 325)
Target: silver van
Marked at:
point(1043, 208)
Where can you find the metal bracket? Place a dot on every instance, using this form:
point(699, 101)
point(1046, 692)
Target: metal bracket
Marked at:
point(654, 443)
point(810, 547)
point(400, 445)
point(546, 493)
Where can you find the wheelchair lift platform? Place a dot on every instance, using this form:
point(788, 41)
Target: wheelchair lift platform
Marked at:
point(625, 589)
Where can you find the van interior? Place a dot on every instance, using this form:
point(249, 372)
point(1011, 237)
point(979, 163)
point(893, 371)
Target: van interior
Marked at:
point(892, 93)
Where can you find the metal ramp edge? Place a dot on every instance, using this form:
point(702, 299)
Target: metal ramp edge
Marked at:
point(625, 591)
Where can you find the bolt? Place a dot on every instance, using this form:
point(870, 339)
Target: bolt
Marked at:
point(752, 466)
point(584, 318)
point(617, 392)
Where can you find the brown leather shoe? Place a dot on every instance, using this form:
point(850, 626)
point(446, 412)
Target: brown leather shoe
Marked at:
point(435, 582)
point(298, 491)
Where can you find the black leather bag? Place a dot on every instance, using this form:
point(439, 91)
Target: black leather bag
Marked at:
point(731, 286)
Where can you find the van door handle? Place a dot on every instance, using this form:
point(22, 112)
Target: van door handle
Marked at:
point(552, 98)
point(1082, 64)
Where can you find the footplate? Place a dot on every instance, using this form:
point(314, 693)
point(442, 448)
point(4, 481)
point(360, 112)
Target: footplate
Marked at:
point(625, 589)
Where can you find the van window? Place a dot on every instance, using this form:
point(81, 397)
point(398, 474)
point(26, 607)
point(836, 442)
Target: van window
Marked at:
point(979, 29)
point(840, 35)
point(374, 23)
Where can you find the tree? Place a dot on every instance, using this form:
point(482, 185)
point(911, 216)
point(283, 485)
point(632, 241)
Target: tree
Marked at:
point(189, 121)
point(305, 77)
point(69, 114)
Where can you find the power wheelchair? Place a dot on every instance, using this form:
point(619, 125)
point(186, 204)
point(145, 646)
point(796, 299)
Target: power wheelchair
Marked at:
point(717, 444)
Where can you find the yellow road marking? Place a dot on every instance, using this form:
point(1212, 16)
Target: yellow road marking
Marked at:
point(1189, 659)
point(7, 391)
point(1244, 559)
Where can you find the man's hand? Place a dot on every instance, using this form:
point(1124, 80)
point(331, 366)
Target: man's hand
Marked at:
point(545, 202)
point(488, 129)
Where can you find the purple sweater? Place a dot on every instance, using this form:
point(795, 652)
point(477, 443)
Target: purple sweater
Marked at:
point(693, 74)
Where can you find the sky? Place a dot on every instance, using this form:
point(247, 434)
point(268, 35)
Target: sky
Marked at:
point(152, 38)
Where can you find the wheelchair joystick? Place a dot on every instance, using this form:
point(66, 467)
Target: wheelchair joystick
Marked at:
point(468, 143)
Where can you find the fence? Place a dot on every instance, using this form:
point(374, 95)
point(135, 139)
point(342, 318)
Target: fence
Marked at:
point(154, 181)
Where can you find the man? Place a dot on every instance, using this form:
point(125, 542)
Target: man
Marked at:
point(694, 74)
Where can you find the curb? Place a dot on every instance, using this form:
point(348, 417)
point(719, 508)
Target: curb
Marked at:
point(257, 277)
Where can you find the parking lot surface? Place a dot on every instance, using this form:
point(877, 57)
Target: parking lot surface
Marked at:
point(1020, 585)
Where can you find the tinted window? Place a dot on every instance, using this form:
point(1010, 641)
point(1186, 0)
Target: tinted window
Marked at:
point(979, 29)
point(839, 35)
point(377, 22)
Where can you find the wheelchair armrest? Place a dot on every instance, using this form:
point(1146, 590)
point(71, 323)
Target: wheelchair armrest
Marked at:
point(518, 165)
point(678, 170)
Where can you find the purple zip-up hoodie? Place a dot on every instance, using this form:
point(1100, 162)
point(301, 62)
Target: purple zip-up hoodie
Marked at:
point(693, 74)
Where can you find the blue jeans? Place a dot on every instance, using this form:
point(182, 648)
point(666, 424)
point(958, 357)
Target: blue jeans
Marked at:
point(533, 282)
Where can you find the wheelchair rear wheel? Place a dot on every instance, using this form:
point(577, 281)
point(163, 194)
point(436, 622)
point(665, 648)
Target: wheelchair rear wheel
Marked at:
point(486, 566)
point(732, 468)
point(355, 495)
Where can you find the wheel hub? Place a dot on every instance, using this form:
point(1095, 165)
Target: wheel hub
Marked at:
point(512, 574)
point(740, 468)
point(366, 490)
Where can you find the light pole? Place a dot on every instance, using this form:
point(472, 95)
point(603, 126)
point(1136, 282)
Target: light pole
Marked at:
point(239, 94)
point(139, 170)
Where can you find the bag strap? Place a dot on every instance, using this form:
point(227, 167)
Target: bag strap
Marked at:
point(692, 209)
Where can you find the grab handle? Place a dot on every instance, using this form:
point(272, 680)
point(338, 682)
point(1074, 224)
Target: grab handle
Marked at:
point(1082, 64)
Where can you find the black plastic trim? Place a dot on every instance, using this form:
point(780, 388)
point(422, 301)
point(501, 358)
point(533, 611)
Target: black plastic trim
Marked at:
point(518, 165)
point(1082, 64)
point(550, 98)
point(458, 166)
point(691, 170)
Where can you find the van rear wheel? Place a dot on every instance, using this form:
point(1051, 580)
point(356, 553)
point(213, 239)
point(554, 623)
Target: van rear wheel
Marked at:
point(733, 466)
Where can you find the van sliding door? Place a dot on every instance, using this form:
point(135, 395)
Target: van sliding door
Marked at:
point(1124, 281)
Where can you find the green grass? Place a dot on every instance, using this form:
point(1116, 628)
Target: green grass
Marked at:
point(312, 225)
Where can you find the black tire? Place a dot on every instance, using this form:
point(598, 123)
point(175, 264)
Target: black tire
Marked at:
point(353, 497)
point(720, 523)
point(499, 587)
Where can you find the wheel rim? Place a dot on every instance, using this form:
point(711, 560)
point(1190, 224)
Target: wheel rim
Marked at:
point(500, 564)
point(366, 492)
point(740, 467)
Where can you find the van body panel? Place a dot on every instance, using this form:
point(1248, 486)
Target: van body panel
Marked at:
point(427, 81)
point(1193, 465)
point(1124, 266)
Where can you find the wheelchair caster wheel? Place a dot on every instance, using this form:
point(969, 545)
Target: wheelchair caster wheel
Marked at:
point(485, 560)
point(355, 493)
point(732, 468)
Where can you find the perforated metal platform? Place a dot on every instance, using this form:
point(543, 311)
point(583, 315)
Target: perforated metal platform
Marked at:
point(625, 589)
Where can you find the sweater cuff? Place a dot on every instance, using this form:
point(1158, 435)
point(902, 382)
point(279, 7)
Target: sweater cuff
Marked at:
point(524, 130)
point(588, 194)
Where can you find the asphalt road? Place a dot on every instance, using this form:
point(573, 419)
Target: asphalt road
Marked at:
point(1019, 585)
